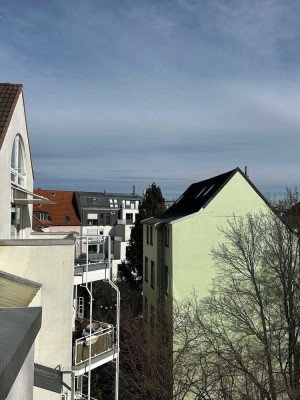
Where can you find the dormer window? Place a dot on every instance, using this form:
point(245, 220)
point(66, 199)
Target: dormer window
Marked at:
point(18, 173)
point(67, 218)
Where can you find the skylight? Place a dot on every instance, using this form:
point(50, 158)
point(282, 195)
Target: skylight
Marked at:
point(179, 198)
point(201, 191)
point(209, 189)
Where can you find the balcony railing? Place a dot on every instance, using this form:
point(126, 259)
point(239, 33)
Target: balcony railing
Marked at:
point(99, 336)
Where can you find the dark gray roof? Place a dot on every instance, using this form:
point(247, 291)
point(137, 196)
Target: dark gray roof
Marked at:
point(101, 199)
point(197, 196)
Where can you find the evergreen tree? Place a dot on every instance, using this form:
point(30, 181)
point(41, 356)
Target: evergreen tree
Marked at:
point(153, 204)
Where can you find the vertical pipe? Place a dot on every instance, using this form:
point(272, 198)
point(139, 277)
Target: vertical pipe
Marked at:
point(90, 344)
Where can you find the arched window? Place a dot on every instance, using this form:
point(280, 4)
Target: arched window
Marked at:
point(18, 172)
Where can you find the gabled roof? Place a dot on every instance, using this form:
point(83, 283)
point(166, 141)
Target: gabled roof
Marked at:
point(197, 196)
point(9, 95)
point(64, 206)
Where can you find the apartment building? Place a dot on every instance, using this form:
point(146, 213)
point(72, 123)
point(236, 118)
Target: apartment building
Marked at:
point(43, 270)
point(90, 213)
point(177, 244)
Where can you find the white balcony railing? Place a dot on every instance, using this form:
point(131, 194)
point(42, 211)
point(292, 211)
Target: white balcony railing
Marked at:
point(100, 341)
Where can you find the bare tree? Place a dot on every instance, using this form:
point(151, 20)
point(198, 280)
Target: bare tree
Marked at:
point(242, 341)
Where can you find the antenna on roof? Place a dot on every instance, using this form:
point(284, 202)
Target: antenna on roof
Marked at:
point(134, 188)
point(246, 171)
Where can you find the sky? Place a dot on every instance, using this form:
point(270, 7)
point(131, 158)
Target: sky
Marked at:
point(168, 91)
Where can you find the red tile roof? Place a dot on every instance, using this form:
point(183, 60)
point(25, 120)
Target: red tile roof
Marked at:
point(65, 205)
point(9, 94)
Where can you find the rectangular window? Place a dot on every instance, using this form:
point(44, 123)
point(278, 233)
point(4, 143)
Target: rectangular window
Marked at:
point(91, 201)
point(166, 280)
point(153, 274)
point(129, 218)
point(146, 306)
point(151, 235)
point(93, 248)
point(167, 235)
point(146, 268)
point(101, 219)
point(148, 234)
point(92, 219)
point(107, 219)
point(17, 222)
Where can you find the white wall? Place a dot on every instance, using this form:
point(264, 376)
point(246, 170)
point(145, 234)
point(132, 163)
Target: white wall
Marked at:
point(51, 263)
point(22, 388)
point(17, 126)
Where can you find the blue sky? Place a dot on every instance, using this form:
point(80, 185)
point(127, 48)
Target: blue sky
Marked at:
point(166, 91)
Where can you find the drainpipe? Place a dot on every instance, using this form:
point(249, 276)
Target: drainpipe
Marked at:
point(91, 311)
point(117, 339)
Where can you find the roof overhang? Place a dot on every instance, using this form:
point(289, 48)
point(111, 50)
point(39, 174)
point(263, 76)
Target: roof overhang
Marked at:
point(22, 196)
point(16, 291)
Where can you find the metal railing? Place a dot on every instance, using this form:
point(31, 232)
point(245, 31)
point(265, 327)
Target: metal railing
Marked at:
point(101, 341)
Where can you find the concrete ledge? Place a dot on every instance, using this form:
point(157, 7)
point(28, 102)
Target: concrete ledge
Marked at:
point(19, 327)
point(37, 242)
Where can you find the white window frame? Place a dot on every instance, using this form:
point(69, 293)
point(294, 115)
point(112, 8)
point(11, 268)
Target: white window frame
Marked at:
point(18, 169)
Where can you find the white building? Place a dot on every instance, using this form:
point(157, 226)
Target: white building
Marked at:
point(42, 268)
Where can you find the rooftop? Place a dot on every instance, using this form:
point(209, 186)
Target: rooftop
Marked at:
point(64, 209)
point(9, 94)
point(197, 196)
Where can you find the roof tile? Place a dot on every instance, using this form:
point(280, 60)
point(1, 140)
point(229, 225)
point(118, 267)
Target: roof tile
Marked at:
point(9, 94)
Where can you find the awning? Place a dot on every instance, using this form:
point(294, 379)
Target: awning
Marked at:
point(16, 291)
point(23, 196)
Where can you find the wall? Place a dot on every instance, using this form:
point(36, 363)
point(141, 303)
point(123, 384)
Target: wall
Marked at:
point(22, 388)
point(51, 263)
point(150, 251)
point(64, 229)
point(17, 126)
point(194, 236)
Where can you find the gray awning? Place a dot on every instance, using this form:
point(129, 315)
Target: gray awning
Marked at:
point(22, 196)
point(16, 291)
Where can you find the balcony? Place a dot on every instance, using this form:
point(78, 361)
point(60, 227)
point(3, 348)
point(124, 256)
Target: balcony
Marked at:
point(96, 339)
point(91, 259)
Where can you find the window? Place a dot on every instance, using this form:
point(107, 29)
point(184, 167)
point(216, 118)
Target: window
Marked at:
point(148, 234)
point(107, 219)
point(152, 317)
point(146, 306)
point(17, 162)
point(209, 189)
point(67, 218)
point(101, 219)
point(91, 201)
point(92, 219)
point(167, 235)
point(129, 218)
point(153, 274)
point(201, 191)
point(151, 235)
point(166, 280)
point(146, 268)
point(16, 224)
point(92, 248)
